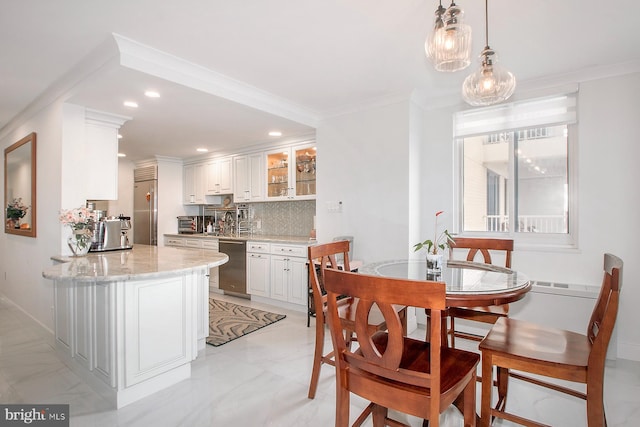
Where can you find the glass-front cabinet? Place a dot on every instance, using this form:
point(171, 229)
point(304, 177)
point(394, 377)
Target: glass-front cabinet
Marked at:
point(291, 173)
point(278, 182)
point(305, 171)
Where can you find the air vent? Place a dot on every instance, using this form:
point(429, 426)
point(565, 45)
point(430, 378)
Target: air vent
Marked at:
point(146, 173)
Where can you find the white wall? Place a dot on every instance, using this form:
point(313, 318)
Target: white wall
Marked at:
point(169, 196)
point(24, 258)
point(363, 161)
point(368, 157)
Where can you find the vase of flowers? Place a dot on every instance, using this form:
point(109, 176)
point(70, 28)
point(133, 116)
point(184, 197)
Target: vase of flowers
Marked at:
point(81, 221)
point(441, 241)
point(16, 210)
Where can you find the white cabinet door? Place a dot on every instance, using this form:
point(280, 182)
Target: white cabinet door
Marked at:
point(298, 278)
point(241, 188)
point(248, 171)
point(258, 274)
point(256, 177)
point(226, 175)
point(159, 321)
point(193, 184)
point(219, 176)
point(279, 277)
point(189, 184)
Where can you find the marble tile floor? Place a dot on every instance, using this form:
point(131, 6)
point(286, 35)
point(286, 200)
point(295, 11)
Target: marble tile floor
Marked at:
point(258, 380)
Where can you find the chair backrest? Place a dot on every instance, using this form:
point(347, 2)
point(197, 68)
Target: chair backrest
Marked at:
point(483, 246)
point(367, 291)
point(320, 257)
point(605, 312)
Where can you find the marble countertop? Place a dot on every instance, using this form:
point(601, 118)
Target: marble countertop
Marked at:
point(141, 262)
point(253, 238)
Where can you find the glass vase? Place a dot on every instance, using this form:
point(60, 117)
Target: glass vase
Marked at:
point(79, 244)
point(434, 264)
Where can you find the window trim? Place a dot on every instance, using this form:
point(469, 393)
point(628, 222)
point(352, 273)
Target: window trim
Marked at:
point(533, 241)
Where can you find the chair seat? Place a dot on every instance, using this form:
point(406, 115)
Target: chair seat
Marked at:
point(545, 346)
point(454, 364)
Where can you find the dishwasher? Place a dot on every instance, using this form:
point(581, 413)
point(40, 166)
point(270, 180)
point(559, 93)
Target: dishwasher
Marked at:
point(233, 274)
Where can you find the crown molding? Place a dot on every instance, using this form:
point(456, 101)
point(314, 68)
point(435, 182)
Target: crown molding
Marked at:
point(102, 57)
point(151, 61)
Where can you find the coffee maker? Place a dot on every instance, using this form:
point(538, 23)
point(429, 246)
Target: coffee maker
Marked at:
point(111, 233)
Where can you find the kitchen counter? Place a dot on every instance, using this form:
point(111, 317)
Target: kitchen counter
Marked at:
point(130, 322)
point(141, 262)
point(253, 238)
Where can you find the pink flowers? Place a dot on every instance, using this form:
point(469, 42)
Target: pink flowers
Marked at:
point(78, 218)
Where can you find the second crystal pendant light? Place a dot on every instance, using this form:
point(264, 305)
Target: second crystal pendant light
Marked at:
point(492, 83)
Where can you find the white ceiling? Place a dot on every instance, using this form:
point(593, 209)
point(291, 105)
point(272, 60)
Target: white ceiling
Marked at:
point(322, 57)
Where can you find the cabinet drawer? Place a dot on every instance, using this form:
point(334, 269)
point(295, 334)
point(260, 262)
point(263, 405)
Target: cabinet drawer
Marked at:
point(210, 244)
point(173, 241)
point(258, 247)
point(292, 250)
point(193, 243)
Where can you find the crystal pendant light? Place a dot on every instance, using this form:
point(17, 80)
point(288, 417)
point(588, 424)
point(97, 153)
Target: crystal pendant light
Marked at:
point(492, 83)
point(448, 46)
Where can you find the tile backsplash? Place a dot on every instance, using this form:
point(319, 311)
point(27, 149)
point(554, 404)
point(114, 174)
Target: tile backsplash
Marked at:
point(293, 218)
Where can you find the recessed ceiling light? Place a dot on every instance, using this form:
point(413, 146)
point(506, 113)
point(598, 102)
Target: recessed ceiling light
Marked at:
point(275, 133)
point(202, 150)
point(152, 94)
point(131, 104)
point(122, 155)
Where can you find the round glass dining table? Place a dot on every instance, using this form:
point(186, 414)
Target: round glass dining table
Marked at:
point(469, 284)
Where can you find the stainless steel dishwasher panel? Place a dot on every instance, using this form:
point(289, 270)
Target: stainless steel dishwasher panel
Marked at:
point(233, 274)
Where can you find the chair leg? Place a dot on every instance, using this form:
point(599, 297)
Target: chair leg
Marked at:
point(379, 416)
point(487, 386)
point(469, 405)
point(502, 385)
point(342, 403)
point(317, 358)
point(595, 405)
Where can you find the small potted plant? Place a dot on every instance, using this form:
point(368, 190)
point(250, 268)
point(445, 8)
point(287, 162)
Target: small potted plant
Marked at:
point(16, 210)
point(441, 241)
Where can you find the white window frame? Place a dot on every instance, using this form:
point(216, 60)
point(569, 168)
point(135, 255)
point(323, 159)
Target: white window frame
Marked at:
point(488, 122)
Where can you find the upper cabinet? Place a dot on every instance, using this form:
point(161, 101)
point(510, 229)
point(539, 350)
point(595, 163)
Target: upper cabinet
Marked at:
point(288, 173)
point(291, 173)
point(101, 132)
point(305, 171)
point(248, 178)
point(194, 180)
point(220, 176)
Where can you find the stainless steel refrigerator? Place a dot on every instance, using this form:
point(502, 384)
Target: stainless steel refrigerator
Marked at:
point(145, 206)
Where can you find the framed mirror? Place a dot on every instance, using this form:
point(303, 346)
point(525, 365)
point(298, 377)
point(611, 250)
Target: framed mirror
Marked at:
point(20, 187)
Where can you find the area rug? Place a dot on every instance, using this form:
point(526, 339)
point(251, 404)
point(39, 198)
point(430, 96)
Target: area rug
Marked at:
point(228, 321)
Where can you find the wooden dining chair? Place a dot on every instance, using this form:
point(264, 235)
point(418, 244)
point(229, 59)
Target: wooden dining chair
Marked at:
point(555, 353)
point(489, 315)
point(389, 369)
point(322, 257)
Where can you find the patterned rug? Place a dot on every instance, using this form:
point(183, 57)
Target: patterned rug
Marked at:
point(228, 321)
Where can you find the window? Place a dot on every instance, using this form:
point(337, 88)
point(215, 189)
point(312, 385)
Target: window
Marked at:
point(515, 173)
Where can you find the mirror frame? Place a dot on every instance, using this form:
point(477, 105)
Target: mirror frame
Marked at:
point(29, 139)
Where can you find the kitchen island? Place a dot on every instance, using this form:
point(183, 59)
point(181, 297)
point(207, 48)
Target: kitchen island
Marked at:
point(130, 322)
